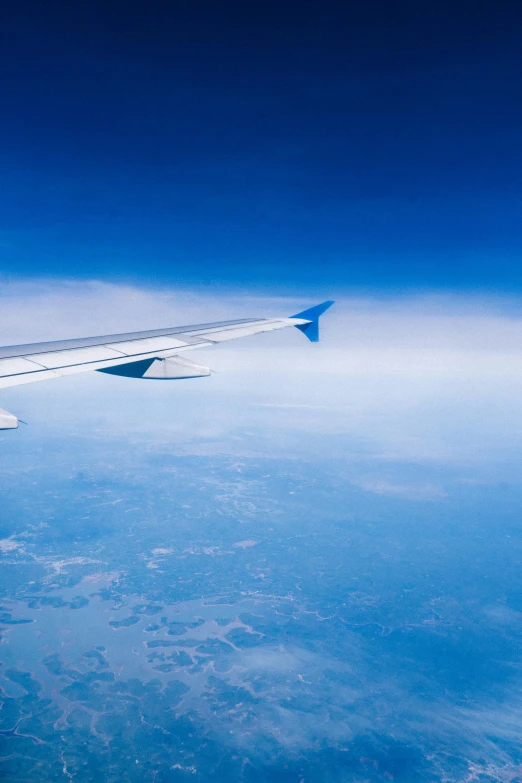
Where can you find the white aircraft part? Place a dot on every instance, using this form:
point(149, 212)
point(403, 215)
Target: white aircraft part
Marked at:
point(244, 330)
point(171, 369)
point(150, 345)
point(16, 367)
point(221, 335)
point(58, 359)
point(7, 420)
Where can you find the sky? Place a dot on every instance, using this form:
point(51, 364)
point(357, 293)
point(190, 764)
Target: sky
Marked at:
point(293, 149)
point(168, 163)
point(171, 163)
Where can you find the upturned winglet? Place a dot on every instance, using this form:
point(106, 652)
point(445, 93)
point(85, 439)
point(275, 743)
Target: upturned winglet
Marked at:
point(311, 329)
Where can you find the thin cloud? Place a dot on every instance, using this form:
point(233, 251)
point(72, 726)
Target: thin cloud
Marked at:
point(406, 376)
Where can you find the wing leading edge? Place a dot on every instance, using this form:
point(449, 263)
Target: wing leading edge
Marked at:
point(150, 354)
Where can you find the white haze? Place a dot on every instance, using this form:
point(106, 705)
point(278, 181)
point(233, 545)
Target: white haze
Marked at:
point(424, 379)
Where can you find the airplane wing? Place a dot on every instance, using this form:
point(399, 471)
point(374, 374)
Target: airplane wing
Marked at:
point(151, 355)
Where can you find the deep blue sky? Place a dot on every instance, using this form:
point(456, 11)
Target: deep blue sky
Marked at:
point(314, 145)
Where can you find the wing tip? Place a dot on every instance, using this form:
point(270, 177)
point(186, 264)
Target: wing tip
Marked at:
point(312, 314)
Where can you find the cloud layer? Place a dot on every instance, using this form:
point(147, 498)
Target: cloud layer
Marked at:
point(425, 378)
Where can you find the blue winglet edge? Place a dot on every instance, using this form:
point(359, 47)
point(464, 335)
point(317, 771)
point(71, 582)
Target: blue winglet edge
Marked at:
point(311, 330)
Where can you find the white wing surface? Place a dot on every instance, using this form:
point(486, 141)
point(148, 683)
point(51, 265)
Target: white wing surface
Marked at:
point(151, 354)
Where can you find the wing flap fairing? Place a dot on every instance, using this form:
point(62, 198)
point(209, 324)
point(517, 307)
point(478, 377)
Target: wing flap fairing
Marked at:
point(8, 421)
point(172, 368)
